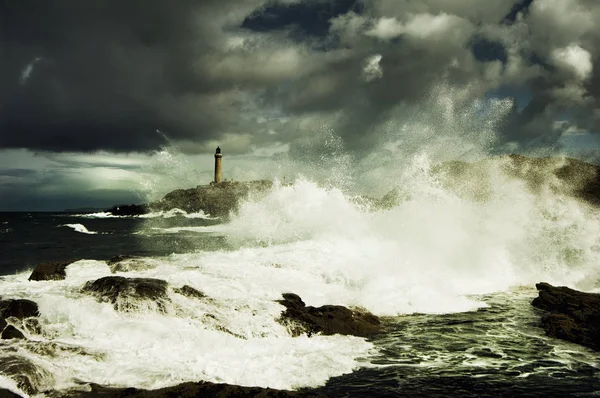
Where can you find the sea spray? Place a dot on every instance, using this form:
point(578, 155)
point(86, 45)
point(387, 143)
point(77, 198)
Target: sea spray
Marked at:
point(428, 253)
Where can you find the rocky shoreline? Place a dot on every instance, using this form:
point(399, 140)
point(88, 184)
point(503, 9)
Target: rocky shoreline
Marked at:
point(127, 293)
point(569, 314)
point(218, 200)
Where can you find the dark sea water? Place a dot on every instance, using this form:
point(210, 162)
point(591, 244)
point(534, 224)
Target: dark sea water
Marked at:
point(495, 349)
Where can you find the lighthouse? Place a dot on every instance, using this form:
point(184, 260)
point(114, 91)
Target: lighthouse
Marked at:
point(218, 167)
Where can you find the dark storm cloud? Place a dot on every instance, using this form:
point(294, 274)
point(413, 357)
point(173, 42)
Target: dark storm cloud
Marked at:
point(83, 76)
point(106, 74)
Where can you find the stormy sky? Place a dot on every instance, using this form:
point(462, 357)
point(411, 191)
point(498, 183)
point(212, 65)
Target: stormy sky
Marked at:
point(101, 101)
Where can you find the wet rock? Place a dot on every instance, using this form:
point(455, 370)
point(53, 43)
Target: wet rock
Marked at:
point(8, 394)
point(18, 308)
point(29, 377)
point(53, 271)
point(189, 291)
point(127, 263)
point(11, 332)
point(129, 210)
point(574, 316)
point(327, 319)
point(200, 389)
point(128, 294)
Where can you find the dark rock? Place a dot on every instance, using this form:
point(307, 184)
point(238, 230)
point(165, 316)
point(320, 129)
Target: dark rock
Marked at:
point(126, 263)
point(218, 200)
point(18, 308)
point(327, 319)
point(11, 332)
point(129, 210)
point(53, 271)
point(28, 376)
point(200, 389)
point(8, 394)
point(189, 291)
point(574, 316)
point(118, 258)
point(2, 324)
point(127, 293)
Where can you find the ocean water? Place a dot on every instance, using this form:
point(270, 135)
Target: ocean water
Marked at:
point(451, 274)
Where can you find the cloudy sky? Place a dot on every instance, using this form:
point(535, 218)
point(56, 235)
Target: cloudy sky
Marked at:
point(103, 102)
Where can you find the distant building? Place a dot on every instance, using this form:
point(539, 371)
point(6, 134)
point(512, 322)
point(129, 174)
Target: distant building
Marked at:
point(218, 166)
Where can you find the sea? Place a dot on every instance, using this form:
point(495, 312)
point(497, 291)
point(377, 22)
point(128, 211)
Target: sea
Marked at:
point(451, 276)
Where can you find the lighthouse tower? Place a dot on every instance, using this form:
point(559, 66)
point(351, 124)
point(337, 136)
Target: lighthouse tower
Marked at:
point(218, 167)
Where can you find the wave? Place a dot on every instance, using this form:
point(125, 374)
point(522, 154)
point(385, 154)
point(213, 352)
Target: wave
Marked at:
point(230, 336)
point(161, 214)
point(176, 213)
point(79, 228)
point(438, 246)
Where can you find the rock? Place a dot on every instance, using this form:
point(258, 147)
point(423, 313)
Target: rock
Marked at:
point(189, 291)
point(8, 394)
point(127, 294)
point(574, 316)
point(218, 200)
point(11, 332)
point(53, 271)
point(126, 263)
point(327, 319)
point(29, 377)
point(18, 308)
point(2, 324)
point(129, 210)
point(199, 389)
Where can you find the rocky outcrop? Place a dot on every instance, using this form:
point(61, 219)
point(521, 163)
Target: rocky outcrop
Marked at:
point(18, 310)
point(11, 332)
point(129, 294)
point(327, 319)
point(129, 210)
point(200, 389)
point(218, 200)
point(127, 263)
point(29, 377)
point(573, 316)
point(189, 291)
point(53, 271)
point(8, 394)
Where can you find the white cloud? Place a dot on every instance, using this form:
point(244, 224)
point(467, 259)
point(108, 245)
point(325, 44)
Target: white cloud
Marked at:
point(372, 69)
point(575, 58)
point(386, 29)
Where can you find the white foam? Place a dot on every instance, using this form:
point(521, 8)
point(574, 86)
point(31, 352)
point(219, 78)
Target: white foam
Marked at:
point(160, 214)
point(230, 337)
point(79, 228)
point(175, 213)
point(427, 254)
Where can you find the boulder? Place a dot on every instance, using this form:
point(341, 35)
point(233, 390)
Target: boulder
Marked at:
point(191, 389)
point(573, 316)
point(327, 319)
point(126, 263)
point(8, 394)
point(189, 291)
point(29, 377)
point(52, 271)
point(18, 308)
point(11, 332)
point(127, 294)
